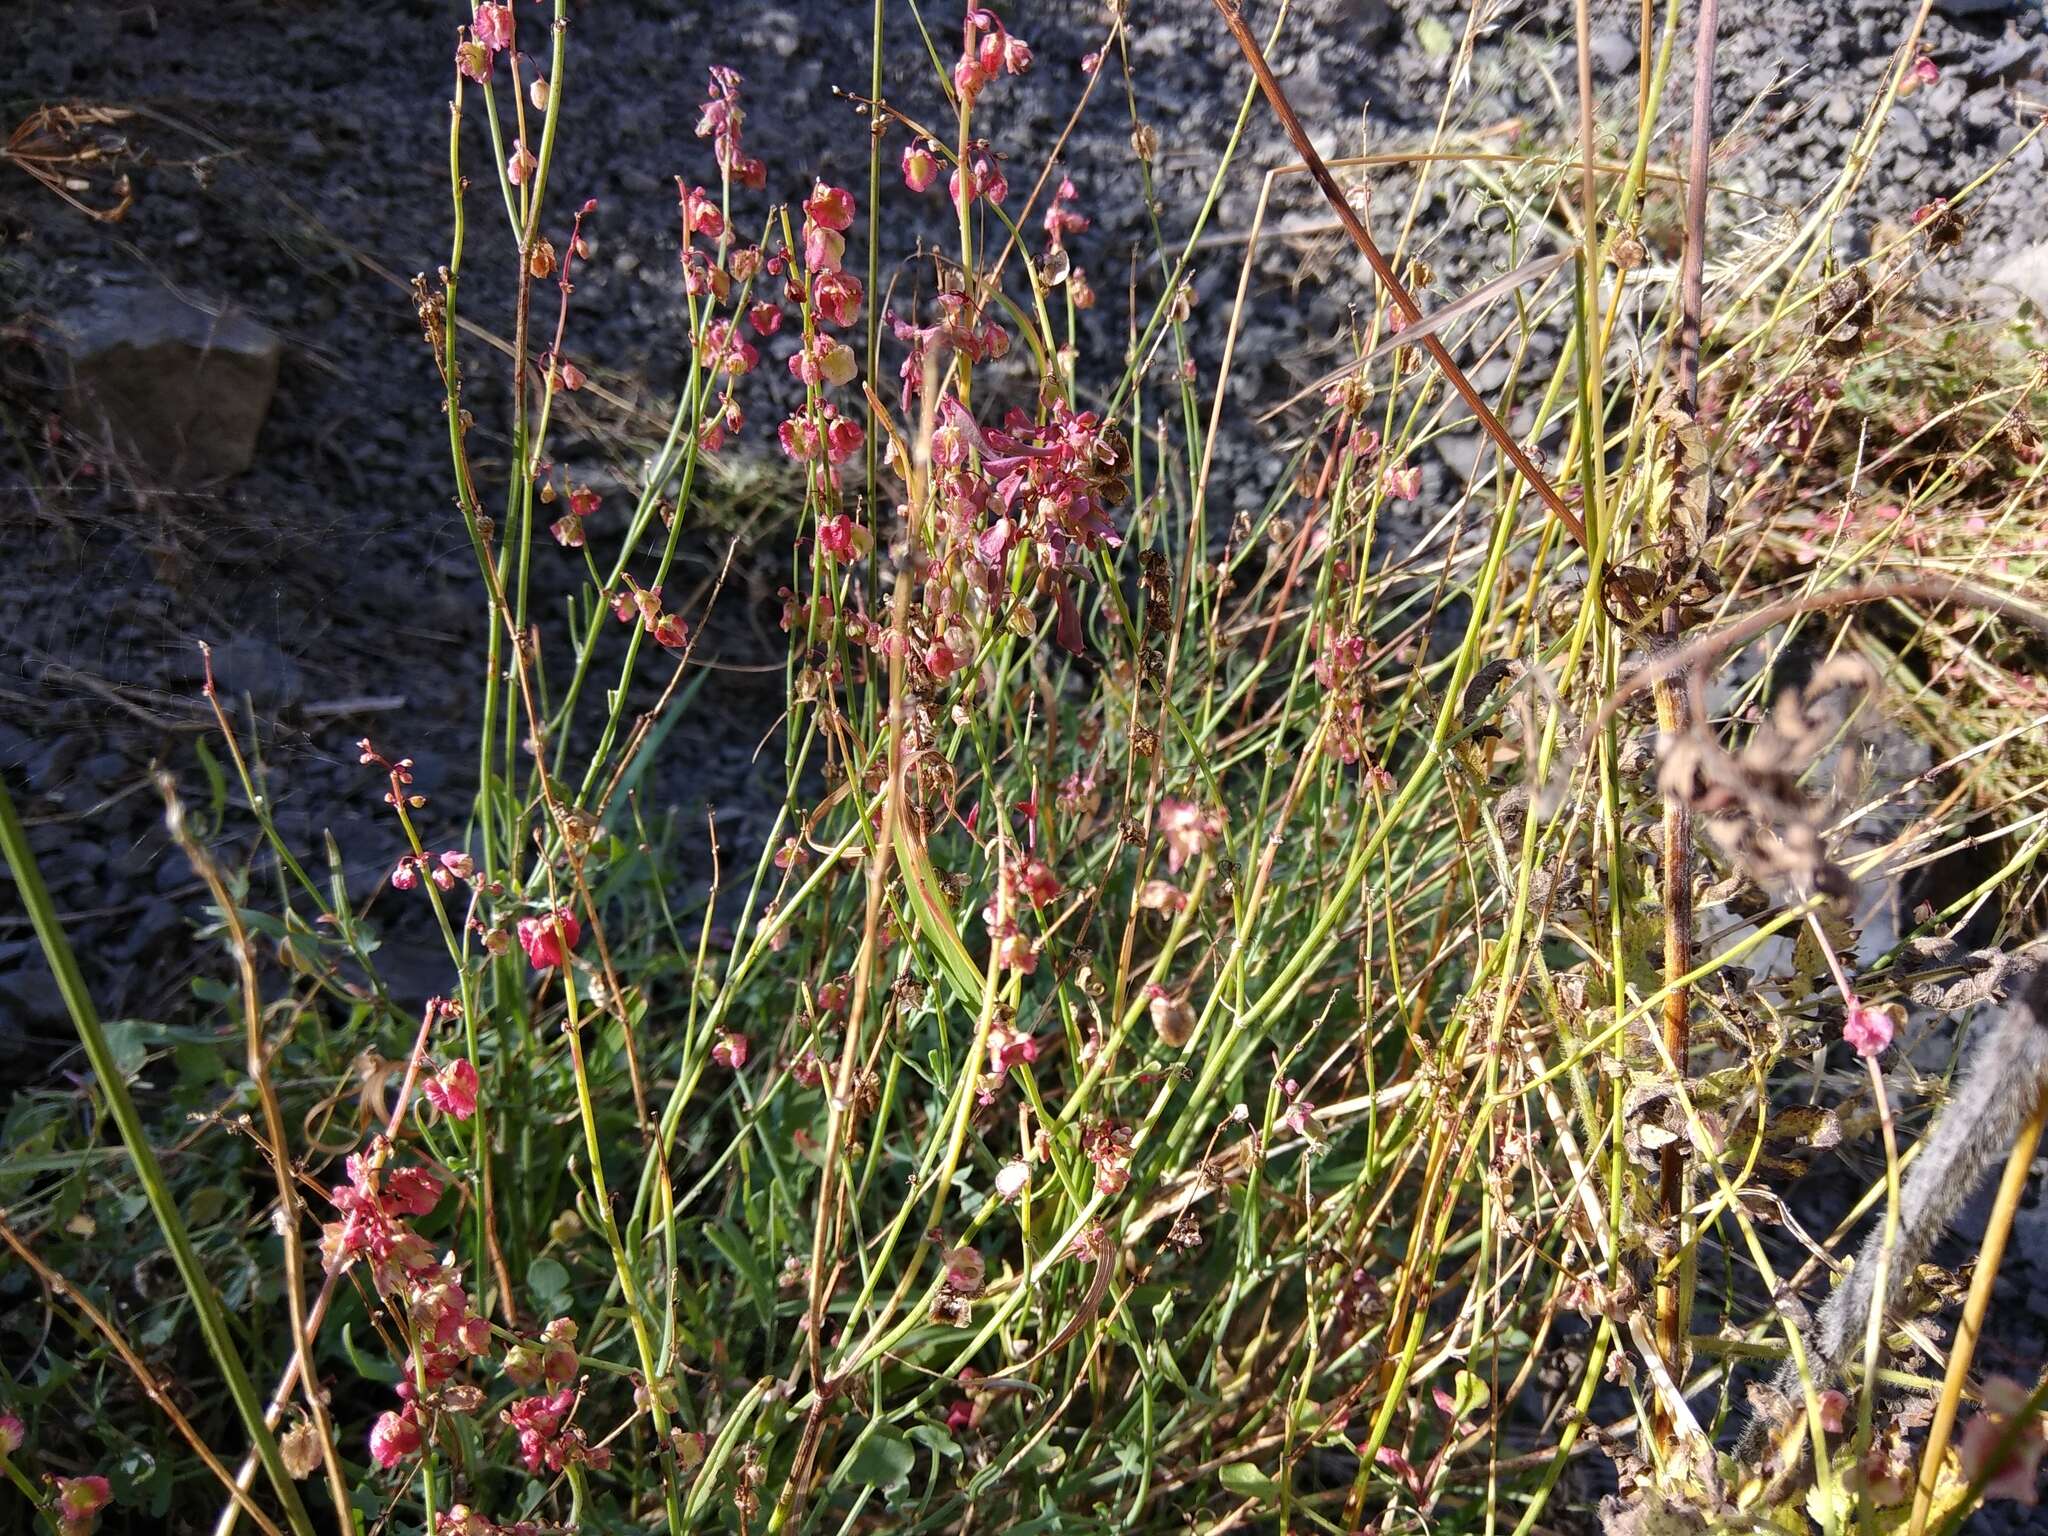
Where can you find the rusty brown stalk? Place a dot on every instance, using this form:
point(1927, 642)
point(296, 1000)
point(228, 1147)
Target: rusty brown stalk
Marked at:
point(1384, 271)
point(1673, 1297)
point(273, 1137)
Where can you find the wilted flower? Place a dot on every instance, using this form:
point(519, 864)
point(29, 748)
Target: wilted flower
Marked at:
point(965, 1270)
point(1011, 1179)
point(2016, 1476)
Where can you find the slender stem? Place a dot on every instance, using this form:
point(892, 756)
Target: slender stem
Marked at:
point(199, 1287)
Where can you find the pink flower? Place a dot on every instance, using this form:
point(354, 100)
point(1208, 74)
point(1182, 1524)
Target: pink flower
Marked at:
point(548, 938)
point(1011, 1180)
point(568, 532)
point(670, 631)
point(700, 210)
point(1008, 1047)
point(1187, 829)
point(453, 1089)
point(1403, 483)
point(837, 295)
point(493, 26)
point(572, 376)
point(765, 318)
point(2018, 1475)
point(731, 1051)
point(1834, 1410)
point(824, 249)
point(393, 1438)
point(1869, 1030)
point(12, 1435)
point(920, 166)
point(520, 164)
point(405, 876)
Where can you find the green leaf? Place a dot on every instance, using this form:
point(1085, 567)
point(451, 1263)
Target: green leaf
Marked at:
point(128, 1039)
point(1246, 1481)
point(883, 1461)
point(1433, 37)
point(549, 1282)
point(369, 1367)
point(728, 1241)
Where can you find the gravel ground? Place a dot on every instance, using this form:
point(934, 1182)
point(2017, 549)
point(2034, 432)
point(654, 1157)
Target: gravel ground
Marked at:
point(295, 145)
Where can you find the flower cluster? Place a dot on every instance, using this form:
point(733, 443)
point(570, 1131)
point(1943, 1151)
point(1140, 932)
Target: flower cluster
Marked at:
point(427, 1293)
point(551, 1358)
point(547, 1438)
point(986, 51)
point(446, 870)
point(1340, 667)
point(668, 630)
point(816, 432)
point(721, 120)
point(490, 32)
point(1107, 1145)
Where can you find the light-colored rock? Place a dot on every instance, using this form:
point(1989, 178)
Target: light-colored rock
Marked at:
point(178, 392)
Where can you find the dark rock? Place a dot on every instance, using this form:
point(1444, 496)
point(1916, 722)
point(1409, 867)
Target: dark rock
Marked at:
point(29, 998)
point(179, 393)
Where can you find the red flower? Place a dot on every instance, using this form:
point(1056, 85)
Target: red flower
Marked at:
point(731, 1051)
point(549, 937)
point(829, 206)
point(844, 539)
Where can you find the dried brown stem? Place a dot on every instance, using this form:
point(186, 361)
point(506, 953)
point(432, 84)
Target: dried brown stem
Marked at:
point(1673, 1298)
point(1384, 271)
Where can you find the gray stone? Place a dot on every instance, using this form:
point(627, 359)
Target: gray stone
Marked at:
point(180, 394)
point(2024, 275)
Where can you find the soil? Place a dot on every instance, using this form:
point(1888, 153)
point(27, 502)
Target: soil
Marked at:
point(296, 172)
